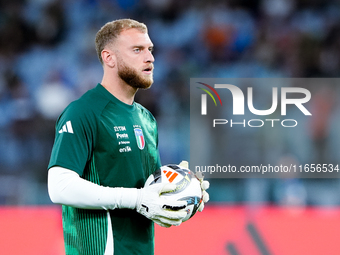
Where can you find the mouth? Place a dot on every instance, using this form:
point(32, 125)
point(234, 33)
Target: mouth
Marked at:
point(148, 70)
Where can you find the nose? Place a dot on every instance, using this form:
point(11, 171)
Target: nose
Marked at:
point(149, 58)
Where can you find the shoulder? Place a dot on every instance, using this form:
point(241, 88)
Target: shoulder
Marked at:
point(86, 108)
point(91, 102)
point(145, 112)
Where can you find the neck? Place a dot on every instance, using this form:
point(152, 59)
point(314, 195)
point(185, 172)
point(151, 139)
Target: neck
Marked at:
point(119, 89)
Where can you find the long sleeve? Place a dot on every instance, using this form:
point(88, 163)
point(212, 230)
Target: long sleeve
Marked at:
point(68, 188)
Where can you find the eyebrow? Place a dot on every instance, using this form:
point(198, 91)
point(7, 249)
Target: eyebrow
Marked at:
point(143, 47)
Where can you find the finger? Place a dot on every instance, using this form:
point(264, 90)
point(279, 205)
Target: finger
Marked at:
point(167, 222)
point(184, 164)
point(205, 196)
point(173, 215)
point(199, 176)
point(158, 222)
point(201, 207)
point(173, 204)
point(174, 208)
point(168, 187)
point(205, 185)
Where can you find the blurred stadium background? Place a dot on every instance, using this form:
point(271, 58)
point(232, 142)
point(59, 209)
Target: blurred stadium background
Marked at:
point(47, 59)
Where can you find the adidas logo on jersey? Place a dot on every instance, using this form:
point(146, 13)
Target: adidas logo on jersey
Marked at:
point(67, 128)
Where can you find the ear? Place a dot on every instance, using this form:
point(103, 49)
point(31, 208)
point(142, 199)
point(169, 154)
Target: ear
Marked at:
point(109, 58)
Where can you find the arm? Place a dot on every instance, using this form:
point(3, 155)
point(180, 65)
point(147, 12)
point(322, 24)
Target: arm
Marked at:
point(67, 187)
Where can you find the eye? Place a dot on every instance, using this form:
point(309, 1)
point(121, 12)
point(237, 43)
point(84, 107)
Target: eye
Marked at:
point(151, 49)
point(136, 50)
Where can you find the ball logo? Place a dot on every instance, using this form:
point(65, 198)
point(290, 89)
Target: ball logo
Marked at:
point(170, 175)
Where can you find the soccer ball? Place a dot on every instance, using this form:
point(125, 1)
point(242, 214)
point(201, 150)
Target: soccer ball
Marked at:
point(188, 187)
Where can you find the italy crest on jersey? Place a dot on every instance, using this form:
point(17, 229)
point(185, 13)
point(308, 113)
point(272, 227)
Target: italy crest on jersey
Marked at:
point(140, 138)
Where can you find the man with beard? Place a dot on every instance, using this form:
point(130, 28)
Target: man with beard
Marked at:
point(105, 148)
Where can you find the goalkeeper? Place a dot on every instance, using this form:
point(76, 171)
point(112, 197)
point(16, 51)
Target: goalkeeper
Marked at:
point(105, 148)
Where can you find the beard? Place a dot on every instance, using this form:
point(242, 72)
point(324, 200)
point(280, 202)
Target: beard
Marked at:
point(131, 77)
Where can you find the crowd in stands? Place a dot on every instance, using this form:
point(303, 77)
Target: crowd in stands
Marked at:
point(48, 59)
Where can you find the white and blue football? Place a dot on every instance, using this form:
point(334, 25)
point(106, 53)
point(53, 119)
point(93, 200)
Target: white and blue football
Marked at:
point(188, 187)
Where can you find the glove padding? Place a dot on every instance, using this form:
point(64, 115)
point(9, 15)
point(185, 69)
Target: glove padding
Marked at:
point(204, 185)
point(160, 210)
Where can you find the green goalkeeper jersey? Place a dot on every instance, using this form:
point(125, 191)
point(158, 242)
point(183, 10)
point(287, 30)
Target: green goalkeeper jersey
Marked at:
point(111, 144)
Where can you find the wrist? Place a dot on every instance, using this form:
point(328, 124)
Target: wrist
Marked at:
point(127, 197)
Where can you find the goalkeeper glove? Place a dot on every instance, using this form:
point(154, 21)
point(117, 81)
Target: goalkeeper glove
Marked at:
point(158, 209)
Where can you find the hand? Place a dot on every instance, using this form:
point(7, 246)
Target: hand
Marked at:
point(158, 209)
point(204, 185)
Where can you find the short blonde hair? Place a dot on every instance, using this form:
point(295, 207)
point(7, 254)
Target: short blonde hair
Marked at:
point(111, 30)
